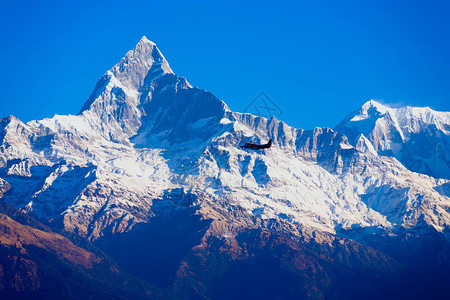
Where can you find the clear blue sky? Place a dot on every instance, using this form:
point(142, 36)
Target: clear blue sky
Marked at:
point(318, 60)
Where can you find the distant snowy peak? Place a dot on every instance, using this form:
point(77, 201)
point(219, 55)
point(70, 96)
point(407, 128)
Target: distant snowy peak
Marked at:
point(370, 109)
point(417, 136)
point(375, 121)
point(409, 119)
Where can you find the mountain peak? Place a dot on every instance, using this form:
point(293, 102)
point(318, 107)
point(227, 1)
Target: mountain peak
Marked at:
point(145, 40)
point(404, 132)
point(370, 109)
point(145, 58)
point(144, 63)
point(373, 105)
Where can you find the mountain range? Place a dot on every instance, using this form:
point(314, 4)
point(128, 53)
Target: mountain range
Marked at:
point(149, 183)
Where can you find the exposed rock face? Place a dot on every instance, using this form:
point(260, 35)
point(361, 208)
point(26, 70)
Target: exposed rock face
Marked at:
point(151, 171)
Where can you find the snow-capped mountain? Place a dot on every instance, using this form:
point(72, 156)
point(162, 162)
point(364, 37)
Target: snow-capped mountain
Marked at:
point(145, 131)
point(419, 137)
point(148, 146)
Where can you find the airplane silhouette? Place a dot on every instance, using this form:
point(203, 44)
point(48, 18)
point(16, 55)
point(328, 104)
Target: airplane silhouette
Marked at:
point(257, 146)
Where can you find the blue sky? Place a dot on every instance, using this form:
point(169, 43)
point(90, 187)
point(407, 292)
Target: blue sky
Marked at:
point(317, 60)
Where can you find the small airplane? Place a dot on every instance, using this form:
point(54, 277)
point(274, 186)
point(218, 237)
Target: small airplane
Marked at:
point(256, 146)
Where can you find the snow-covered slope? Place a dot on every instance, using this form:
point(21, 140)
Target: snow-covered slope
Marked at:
point(146, 137)
point(417, 136)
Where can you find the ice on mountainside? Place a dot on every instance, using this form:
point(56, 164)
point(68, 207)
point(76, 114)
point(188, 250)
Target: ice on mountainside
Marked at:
point(419, 137)
point(145, 132)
